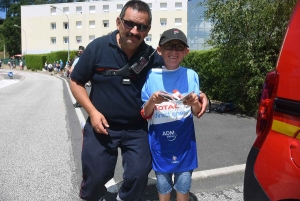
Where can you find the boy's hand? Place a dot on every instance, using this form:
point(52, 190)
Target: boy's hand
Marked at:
point(204, 101)
point(191, 100)
point(157, 98)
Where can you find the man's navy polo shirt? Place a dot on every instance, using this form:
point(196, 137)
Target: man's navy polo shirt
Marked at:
point(119, 103)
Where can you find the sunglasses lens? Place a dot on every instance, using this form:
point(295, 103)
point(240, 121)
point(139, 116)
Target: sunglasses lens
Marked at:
point(142, 27)
point(129, 24)
point(179, 47)
point(170, 46)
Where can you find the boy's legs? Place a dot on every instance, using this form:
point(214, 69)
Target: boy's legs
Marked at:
point(182, 197)
point(164, 197)
point(182, 185)
point(164, 185)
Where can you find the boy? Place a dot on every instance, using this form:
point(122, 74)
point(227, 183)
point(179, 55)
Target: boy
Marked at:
point(171, 128)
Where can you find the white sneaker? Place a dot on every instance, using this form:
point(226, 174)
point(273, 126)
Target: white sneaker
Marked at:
point(118, 198)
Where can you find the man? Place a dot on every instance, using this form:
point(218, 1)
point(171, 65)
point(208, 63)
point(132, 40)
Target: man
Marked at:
point(79, 53)
point(114, 105)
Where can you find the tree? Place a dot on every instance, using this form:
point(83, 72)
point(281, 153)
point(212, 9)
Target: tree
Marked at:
point(4, 5)
point(248, 35)
point(12, 34)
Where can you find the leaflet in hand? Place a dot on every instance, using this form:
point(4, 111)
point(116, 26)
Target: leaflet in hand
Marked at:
point(173, 97)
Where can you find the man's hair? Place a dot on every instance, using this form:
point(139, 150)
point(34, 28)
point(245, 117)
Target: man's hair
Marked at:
point(139, 6)
point(81, 48)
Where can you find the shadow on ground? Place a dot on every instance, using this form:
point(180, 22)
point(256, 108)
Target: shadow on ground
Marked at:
point(150, 193)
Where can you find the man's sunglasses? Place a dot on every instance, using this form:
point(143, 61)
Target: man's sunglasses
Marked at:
point(129, 24)
point(170, 46)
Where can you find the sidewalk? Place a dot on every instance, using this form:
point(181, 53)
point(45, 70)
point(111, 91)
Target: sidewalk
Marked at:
point(6, 67)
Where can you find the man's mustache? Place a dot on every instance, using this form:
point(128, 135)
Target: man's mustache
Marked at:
point(132, 35)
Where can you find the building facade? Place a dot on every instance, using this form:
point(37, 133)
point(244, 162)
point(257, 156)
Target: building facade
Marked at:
point(198, 30)
point(65, 26)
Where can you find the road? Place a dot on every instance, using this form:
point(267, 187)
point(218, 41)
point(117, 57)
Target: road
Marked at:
point(40, 142)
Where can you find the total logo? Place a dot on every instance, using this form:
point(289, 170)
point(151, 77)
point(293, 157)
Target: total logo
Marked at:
point(171, 135)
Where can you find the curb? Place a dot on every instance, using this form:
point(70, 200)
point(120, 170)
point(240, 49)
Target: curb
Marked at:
point(218, 171)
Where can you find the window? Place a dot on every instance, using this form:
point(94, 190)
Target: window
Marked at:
point(106, 8)
point(163, 22)
point(178, 22)
point(78, 24)
point(78, 39)
point(105, 23)
point(150, 5)
point(119, 7)
point(178, 6)
point(66, 40)
point(53, 25)
point(66, 10)
point(66, 25)
point(53, 11)
point(79, 10)
point(92, 9)
point(92, 24)
point(148, 38)
point(163, 6)
point(53, 40)
point(91, 38)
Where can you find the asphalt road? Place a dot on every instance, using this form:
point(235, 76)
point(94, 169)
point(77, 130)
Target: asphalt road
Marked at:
point(40, 142)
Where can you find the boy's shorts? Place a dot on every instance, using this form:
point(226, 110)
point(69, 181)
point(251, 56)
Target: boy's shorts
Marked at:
point(182, 182)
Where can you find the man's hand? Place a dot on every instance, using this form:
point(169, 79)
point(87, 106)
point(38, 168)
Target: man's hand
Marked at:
point(99, 123)
point(204, 100)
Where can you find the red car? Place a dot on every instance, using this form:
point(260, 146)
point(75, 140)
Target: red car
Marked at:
point(273, 164)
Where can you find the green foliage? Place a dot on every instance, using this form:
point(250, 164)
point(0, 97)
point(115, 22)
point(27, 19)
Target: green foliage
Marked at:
point(73, 54)
point(248, 35)
point(207, 65)
point(35, 62)
point(56, 56)
point(10, 33)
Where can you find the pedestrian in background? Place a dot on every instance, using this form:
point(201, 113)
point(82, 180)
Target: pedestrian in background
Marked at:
point(76, 59)
point(21, 64)
point(79, 53)
point(46, 65)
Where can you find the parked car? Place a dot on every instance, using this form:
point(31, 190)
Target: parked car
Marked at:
point(273, 164)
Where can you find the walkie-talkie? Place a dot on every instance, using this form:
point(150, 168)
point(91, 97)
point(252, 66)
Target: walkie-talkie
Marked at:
point(138, 66)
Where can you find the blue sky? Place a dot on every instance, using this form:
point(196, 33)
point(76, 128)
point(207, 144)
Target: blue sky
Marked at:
point(2, 14)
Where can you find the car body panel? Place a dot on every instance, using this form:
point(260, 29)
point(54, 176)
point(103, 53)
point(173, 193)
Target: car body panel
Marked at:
point(273, 166)
point(289, 59)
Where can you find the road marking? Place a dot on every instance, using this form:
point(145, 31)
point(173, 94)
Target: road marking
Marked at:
point(5, 82)
point(112, 185)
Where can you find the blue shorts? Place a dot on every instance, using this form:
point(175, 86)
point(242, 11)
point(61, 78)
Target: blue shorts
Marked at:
point(182, 182)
